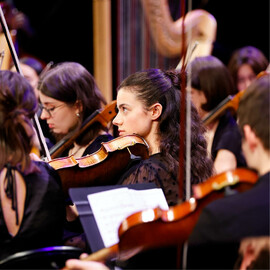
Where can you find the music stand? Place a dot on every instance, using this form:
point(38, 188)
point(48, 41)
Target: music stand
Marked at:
point(79, 198)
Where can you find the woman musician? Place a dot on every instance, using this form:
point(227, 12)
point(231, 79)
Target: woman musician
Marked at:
point(68, 95)
point(211, 83)
point(148, 104)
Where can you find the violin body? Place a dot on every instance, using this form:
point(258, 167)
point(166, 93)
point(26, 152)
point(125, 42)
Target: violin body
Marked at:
point(174, 226)
point(104, 167)
point(157, 228)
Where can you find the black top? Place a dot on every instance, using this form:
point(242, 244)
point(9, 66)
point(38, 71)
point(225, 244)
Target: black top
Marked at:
point(153, 170)
point(223, 223)
point(44, 214)
point(228, 137)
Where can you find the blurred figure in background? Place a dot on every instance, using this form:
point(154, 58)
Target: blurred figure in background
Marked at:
point(211, 83)
point(31, 69)
point(245, 64)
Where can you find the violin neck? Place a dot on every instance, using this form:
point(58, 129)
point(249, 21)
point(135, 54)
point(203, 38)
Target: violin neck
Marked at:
point(68, 140)
point(103, 117)
point(216, 112)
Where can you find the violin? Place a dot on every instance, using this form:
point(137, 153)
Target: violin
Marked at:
point(230, 102)
point(103, 117)
point(104, 167)
point(163, 228)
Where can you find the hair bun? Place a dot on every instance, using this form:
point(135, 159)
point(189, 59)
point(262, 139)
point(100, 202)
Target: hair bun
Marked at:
point(174, 76)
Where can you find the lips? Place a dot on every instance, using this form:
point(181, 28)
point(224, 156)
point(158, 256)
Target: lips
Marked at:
point(121, 132)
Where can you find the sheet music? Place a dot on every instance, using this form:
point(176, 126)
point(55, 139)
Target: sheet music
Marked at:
point(111, 207)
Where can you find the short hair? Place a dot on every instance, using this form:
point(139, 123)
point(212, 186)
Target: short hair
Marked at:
point(209, 75)
point(254, 109)
point(70, 82)
point(249, 55)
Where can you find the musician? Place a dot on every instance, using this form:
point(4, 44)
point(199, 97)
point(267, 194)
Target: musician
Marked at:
point(211, 83)
point(237, 216)
point(148, 104)
point(225, 222)
point(68, 95)
point(245, 64)
point(32, 206)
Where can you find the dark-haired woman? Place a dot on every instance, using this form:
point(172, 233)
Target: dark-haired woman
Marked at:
point(69, 95)
point(211, 83)
point(149, 105)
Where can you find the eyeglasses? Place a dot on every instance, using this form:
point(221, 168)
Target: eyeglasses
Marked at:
point(50, 111)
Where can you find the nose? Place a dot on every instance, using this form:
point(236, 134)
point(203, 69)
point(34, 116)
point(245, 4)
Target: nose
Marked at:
point(117, 121)
point(248, 82)
point(44, 114)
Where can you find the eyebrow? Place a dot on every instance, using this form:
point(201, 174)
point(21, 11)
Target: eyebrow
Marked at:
point(123, 104)
point(49, 103)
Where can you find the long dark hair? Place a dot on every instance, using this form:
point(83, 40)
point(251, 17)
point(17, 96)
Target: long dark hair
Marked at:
point(155, 85)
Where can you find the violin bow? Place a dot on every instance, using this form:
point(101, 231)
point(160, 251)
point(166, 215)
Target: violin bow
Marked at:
point(185, 127)
point(18, 68)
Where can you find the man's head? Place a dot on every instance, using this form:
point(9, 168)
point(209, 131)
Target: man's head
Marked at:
point(253, 117)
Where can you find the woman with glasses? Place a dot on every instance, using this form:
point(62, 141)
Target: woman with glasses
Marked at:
point(68, 95)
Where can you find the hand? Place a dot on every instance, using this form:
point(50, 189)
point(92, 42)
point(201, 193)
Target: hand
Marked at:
point(74, 264)
point(35, 157)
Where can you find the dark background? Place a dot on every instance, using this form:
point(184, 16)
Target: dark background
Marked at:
point(63, 28)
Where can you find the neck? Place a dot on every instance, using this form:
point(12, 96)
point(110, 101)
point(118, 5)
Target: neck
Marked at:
point(213, 125)
point(262, 162)
point(154, 145)
point(264, 166)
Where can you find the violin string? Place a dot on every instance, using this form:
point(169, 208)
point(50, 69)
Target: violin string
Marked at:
point(2, 55)
point(188, 138)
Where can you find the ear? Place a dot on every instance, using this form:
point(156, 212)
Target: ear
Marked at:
point(78, 106)
point(156, 111)
point(250, 137)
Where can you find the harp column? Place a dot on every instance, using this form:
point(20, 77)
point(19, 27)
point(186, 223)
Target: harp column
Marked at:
point(102, 46)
